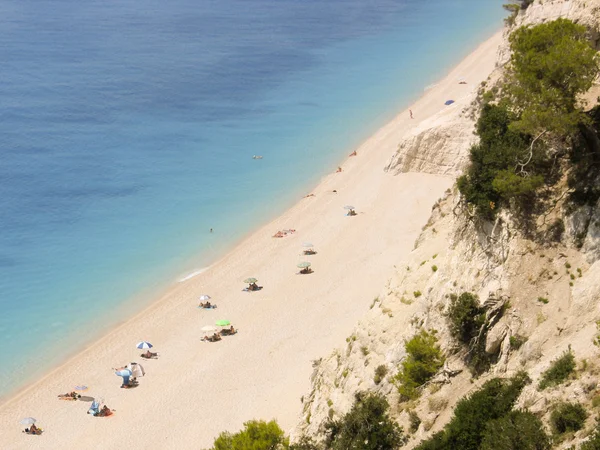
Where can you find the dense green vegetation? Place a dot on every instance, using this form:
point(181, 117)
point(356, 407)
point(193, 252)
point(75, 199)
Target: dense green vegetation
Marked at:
point(518, 430)
point(559, 370)
point(536, 109)
point(467, 320)
point(367, 426)
point(551, 65)
point(256, 435)
point(467, 428)
point(465, 317)
point(568, 417)
point(424, 358)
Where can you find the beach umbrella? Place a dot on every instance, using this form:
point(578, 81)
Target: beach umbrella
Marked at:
point(303, 265)
point(144, 345)
point(123, 373)
point(223, 323)
point(449, 102)
point(204, 297)
point(307, 245)
point(208, 328)
point(250, 280)
point(349, 208)
point(81, 388)
point(27, 421)
point(136, 369)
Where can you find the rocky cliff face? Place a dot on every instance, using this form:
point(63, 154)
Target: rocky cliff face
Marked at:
point(440, 148)
point(546, 291)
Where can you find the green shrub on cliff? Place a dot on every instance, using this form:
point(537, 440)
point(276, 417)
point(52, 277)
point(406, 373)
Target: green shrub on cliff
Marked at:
point(465, 317)
point(493, 161)
point(551, 65)
point(559, 370)
point(256, 435)
point(568, 417)
point(424, 358)
point(518, 430)
point(467, 320)
point(367, 426)
point(467, 428)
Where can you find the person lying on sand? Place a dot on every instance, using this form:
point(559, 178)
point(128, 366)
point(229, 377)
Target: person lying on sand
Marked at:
point(228, 331)
point(207, 305)
point(339, 169)
point(309, 195)
point(279, 234)
point(353, 153)
point(306, 270)
point(149, 355)
point(70, 396)
point(33, 430)
point(253, 287)
point(214, 338)
point(104, 412)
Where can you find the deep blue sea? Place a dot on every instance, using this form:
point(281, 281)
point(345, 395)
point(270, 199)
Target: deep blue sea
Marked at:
point(127, 130)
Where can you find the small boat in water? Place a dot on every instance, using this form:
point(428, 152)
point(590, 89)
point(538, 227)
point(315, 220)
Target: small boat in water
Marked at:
point(256, 157)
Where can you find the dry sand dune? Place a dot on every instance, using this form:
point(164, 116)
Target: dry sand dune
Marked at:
point(196, 389)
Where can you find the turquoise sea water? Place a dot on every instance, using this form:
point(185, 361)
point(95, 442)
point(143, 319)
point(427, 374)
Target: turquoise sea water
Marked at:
point(127, 131)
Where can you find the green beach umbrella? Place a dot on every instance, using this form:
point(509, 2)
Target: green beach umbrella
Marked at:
point(223, 323)
point(250, 280)
point(304, 265)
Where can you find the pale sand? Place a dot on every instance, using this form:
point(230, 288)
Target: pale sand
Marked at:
point(196, 389)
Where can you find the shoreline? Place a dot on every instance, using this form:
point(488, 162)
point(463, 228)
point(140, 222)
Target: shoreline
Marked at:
point(181, 294)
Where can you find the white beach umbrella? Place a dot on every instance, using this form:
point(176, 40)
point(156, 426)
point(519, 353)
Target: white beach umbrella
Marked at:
point(204, 297)
point(27, 421)
point(208, 328)
point(307, 245)
point(136, 369)
point(144, 345)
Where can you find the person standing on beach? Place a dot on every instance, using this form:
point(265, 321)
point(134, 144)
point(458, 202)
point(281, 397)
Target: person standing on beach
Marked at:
point(410, 111)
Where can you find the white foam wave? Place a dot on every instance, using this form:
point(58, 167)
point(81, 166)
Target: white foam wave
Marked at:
point(192, 274)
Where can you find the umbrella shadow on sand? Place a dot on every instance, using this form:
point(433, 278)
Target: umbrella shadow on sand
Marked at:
point(85, 398)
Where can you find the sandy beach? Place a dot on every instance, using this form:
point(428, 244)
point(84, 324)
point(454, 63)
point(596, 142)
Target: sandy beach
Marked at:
point(197, 389)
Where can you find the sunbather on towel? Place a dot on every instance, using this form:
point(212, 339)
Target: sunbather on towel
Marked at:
point(149, 355)
point(70, 396)
point(33, 430)
point(104, 412)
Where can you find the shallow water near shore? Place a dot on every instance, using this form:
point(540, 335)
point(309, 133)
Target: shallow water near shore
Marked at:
point(128, 132)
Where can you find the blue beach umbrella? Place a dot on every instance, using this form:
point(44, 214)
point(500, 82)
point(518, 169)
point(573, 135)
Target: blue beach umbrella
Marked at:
point(144, 345)
point(81, 388)
point(449, 102)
